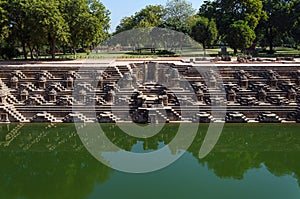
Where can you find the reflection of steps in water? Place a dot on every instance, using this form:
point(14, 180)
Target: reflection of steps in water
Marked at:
point(63, 140)
point(13, 134)
point(38, 138)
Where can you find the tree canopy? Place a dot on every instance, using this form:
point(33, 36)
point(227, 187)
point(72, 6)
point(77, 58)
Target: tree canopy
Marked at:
point(203, 30)
point(273, 22)
point(58, 24)
point(150, 16)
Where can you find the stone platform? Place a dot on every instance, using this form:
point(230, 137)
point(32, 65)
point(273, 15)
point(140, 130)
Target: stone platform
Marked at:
point(149, 91)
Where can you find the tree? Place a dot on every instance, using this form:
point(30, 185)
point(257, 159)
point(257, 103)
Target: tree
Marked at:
point(55, 27)
point(278, 21)
point(87, 20)
point(36, 23)
point(150, 16)
point(178, 13)
point(226, 12)
point(295, 13)
point(240, 36)
point(3, 21)
point(204, 31)
point(18, 28)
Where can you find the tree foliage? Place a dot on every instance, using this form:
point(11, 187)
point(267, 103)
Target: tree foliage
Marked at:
point(178, 13)
point(204, 30)
point(33, 24)
point(150, 16)
point(240, 35)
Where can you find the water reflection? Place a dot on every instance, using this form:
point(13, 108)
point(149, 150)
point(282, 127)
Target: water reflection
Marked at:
point(46, 161)
point(49, 161)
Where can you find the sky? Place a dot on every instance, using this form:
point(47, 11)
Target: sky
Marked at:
point(124, 8)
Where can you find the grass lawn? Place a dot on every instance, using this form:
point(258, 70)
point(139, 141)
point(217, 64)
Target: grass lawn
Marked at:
point(184, 52)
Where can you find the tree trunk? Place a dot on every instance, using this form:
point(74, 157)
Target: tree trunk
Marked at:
point(24, 50)
point(31, 52)
point(52, 46)
point(204, 48)
point(235, 51)
point(270, 38)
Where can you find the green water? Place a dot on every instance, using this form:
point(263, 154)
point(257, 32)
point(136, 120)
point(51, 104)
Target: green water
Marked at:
point(249, 161)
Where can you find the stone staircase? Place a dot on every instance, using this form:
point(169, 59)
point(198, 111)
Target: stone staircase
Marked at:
point(11, 99)
point(77, 118)
point(38, 99)
point(162, 116)
point(44, 117)
point(47, 74)
point(119, 72)
point(176, 114)
point(29, 86)
point(87, 87)
point(12, 111)
point(19, 74)
point(57, 86)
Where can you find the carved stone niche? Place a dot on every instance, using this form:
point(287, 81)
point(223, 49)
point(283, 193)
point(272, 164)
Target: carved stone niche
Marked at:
point(231, 95)
point(244, 82)
point(200, 95)
point(69, 82)
point(82, 96)
point(24, 95)
point(292, 95)
point(126, 81)
point(110, 96)
point(14, 82)
point(213, 82)
point(165, 99)
point(52, 95)
point(273, 81)
point(262, 95)
point(100, 81)
point(42, 82)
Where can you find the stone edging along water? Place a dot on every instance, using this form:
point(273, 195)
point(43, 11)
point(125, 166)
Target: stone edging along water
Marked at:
point(148, 90)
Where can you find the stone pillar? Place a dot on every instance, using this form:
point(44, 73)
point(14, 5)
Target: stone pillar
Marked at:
point(262, 95)
point(212, 82)
point(273, 81)
point(292, 95)
point(100, 82)
point(200, 95)
point(42, 82)
point(14, 82)
point(126, 81)
point(231, 95)
point(165, 100)
point(69, 82)
point(110, 96)
point(244, 82)
point(174, 78)
point(52, 95)
point(82, 96)
point(150, 72)
point(24, 95)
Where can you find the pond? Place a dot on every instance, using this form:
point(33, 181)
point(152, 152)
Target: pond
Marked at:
point(249, 161)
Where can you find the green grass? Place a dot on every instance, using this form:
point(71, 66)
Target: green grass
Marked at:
point(185, 52)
